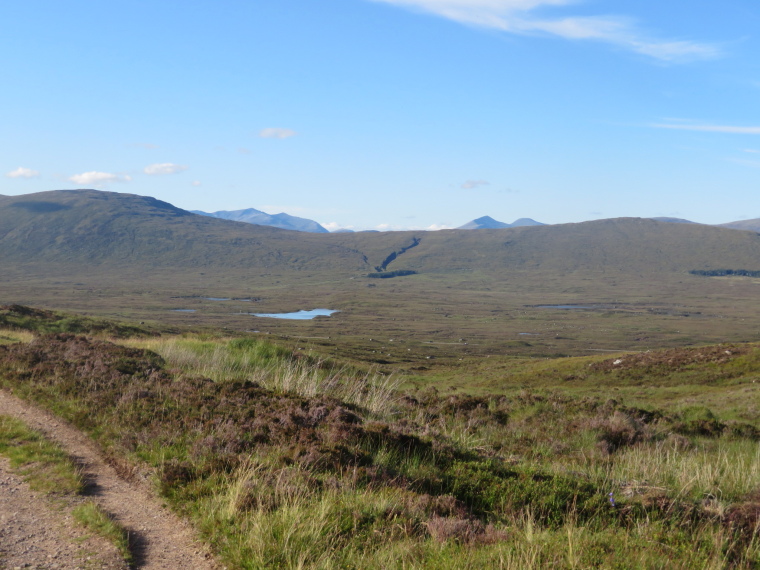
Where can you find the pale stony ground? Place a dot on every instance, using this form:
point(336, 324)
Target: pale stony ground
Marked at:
point(34, 535)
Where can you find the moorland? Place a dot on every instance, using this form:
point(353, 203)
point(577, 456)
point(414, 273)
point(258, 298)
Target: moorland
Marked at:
point(136, 258)
point(450, 416)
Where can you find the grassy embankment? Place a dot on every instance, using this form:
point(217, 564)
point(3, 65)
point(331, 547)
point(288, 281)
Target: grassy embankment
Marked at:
point(282, 461)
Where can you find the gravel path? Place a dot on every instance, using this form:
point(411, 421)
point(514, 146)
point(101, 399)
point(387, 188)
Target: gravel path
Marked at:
point(161, 540)
point(36, 534)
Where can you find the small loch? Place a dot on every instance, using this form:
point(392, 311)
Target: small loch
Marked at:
point(566, 307)
point(298, 315)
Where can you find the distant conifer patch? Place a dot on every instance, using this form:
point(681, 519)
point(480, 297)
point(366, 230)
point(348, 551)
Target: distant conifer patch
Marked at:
point(725, 272)
point(390, 274)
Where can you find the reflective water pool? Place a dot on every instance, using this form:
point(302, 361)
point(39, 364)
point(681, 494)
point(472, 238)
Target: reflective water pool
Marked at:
point(299, 315)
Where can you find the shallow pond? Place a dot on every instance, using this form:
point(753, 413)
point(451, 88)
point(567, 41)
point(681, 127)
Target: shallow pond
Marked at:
point(299, 315)
point(565, 307)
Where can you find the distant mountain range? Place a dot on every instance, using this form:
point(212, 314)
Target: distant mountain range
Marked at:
point(294, 223)
point(488, 223)
point(253, 216)
point(287, 222)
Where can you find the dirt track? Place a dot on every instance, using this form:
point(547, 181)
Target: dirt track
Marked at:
point(34, 533)
point(161, 540)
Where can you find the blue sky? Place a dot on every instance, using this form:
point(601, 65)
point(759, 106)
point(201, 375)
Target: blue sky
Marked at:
point(389, 114)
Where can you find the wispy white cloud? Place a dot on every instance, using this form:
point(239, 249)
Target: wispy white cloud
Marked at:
point(164, 168)
point(95, 178)
point(276, 133)
point(745, 162)
point(22, 172)
point(521, 17)
point(730, 129)
point(196, 183)
point(397, 228)
point(470, 184)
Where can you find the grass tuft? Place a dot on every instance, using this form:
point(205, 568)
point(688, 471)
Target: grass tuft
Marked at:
point(43, 464)
point(91, 516)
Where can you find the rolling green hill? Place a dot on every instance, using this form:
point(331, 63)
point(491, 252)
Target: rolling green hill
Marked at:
point(748, 225)
point(105, 228)
point(94, 228)
point(629, 245)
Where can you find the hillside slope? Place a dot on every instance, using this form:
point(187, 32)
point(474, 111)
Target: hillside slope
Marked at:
point(628, 245)
point(93, 227)
point(748, 225)
point(123, 230)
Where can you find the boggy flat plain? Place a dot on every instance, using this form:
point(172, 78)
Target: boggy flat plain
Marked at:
point(431, 317)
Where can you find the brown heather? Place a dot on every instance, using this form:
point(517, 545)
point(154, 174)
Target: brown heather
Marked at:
point(275, 478)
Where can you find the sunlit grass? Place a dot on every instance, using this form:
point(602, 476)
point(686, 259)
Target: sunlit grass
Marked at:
point(275, 368)
point(92, 517)
point(220, 360)
point(8, 336)
point(725, 470)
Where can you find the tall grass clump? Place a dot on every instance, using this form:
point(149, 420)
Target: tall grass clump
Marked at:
point(274, 368)
point(220, 360)
point(8, 336)
point(722, 469)
point(373, 392)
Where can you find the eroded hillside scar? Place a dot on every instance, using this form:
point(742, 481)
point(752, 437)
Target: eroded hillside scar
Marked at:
point(392, 257)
